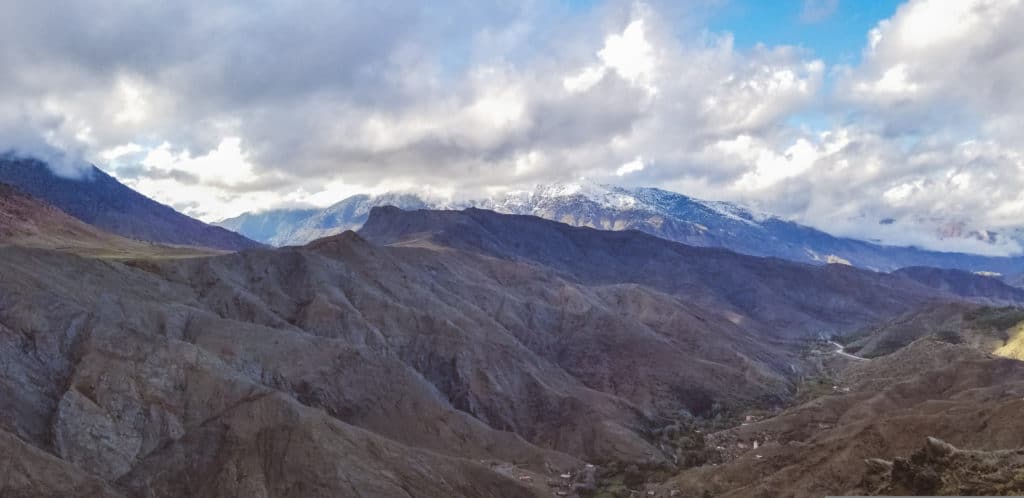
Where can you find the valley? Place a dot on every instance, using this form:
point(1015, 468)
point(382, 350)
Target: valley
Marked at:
point(470, 353)
point(492, 249)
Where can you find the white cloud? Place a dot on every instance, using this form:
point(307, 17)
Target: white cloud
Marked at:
point(630, 55)
point(894, 81)
point(380, 108)
point(209, 113)
point(943, 62)
point(937, 88)
point(119, 151)
point(631, 167)
point(770, 167)
point(586, 78)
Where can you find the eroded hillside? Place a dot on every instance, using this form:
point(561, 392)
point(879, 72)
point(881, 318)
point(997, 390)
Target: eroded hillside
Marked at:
point(438, 354)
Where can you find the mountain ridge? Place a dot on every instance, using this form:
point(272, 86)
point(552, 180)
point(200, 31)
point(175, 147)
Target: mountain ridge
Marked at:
point(100, 200)
point(29, 222)
point(661, 213)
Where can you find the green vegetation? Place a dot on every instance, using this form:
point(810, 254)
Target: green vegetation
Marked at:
point(949, 336)
point(814, 387)
point(994, 319)
point(853, 336)
point(611, 487)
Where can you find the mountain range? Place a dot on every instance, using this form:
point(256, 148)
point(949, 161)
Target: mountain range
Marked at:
point(98, 199)
point(444, 352)
point(658, 212)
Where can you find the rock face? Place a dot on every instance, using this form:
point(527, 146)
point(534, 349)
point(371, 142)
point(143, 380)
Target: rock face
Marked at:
point(435, 354)
point(101, 201)
point(131, 381)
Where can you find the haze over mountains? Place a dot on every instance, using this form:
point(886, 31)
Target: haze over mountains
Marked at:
point(658, 212)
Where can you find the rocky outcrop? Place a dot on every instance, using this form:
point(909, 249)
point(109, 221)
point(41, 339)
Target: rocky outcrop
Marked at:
point(939, 468)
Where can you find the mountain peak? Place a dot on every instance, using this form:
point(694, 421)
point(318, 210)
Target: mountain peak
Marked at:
point(604, 195)
point(345, 244)
point(582, 187)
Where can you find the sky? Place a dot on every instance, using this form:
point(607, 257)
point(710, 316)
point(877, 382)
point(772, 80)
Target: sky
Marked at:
point(891, 121)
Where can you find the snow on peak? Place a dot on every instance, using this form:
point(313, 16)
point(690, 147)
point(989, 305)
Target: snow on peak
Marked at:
point(730, 211)
point(607, 196)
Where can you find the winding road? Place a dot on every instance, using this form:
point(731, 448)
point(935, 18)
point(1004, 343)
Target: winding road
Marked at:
point(840, 352)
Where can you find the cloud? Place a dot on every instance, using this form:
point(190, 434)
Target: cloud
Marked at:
point(815, 11)
point(630, 167)
point(936, 89)
point(24, 137)
point(851, 179)
point(943, 64)
point(470, 97)
point(226, 106)
point(629, 55)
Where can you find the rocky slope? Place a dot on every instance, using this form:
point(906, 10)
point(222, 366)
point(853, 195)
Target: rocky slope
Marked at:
point(939, 468)
point(101, 201)
point(965, 283)
point(991, 329)
point(844, 442)
point(434, 354)
point(131, 380)
point(792, 299)
point(28, 222)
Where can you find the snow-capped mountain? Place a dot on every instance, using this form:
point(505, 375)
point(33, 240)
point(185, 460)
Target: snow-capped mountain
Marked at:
point(658, 212)
point(285, 227)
